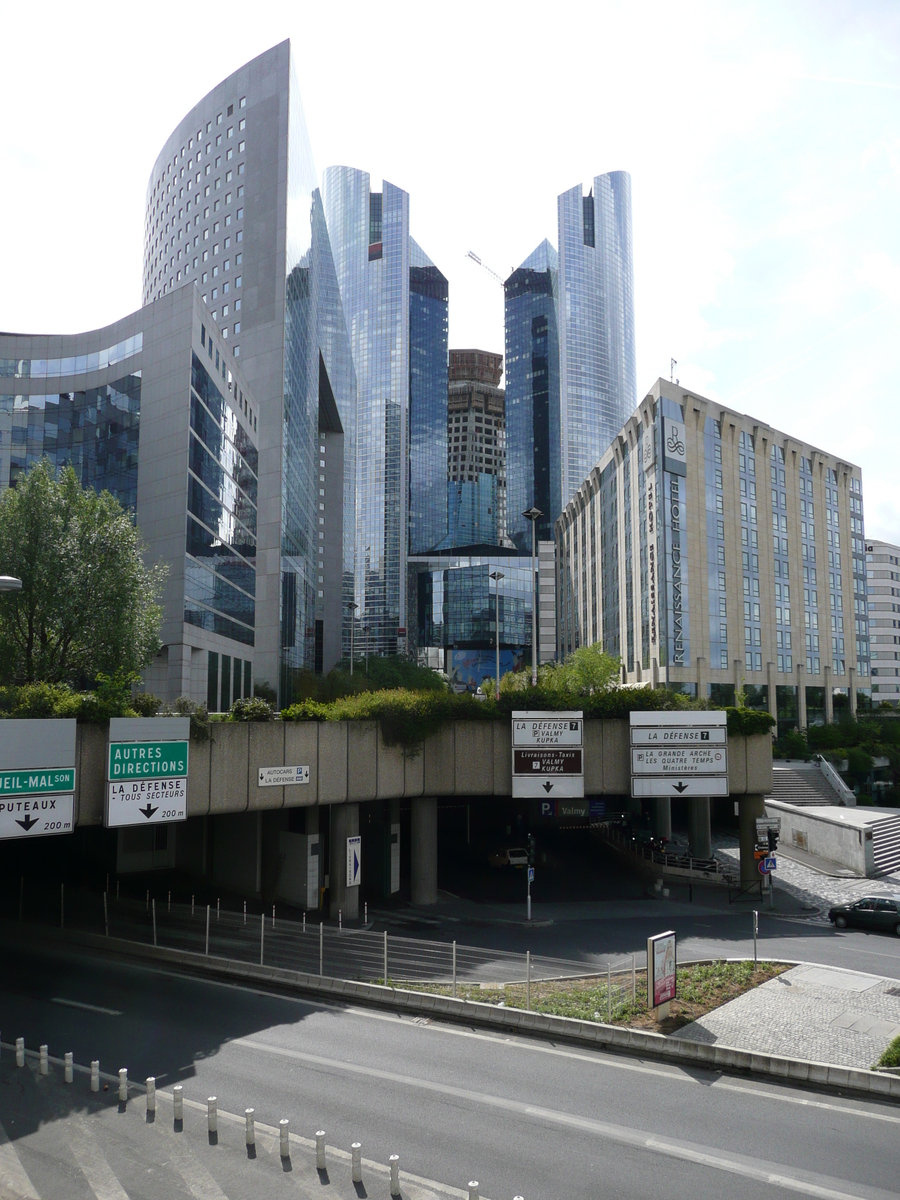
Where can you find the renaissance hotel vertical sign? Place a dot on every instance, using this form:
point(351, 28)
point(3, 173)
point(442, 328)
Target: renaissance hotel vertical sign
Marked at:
point(147, 771)
point(675, 470)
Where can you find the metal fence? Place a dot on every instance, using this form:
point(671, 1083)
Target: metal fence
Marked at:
point(328, 950)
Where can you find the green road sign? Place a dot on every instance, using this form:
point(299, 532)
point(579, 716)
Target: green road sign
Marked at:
point(147, 760)
point(38, 782)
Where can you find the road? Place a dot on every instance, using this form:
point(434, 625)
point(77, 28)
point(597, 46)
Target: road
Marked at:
point(523, 1117)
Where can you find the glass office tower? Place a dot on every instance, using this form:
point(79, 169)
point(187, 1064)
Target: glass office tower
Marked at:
point(231, 207)
point(570, 360)
point(597, 381)
point(395, 305)
point(532, 395)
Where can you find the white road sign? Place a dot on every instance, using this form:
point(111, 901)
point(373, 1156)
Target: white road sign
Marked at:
point(569, 787)
point(354, 861)
point(679, 753)
point(679, 735)
point(661, 785)
point(282, 776)
point(678, 760)
point(146, 801)
point(547, 728)
point(32, 816)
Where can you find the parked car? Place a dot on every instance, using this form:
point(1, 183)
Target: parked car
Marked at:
point(871, 912)
point(517, 857)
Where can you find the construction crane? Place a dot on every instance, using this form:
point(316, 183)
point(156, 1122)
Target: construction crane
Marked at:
point(475, 259)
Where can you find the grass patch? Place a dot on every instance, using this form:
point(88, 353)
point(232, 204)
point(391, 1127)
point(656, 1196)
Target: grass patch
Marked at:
point(701, 988)
point(891, 1056)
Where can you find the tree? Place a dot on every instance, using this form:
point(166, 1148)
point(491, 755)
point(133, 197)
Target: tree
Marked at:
point(585, 672)
point(88, 604)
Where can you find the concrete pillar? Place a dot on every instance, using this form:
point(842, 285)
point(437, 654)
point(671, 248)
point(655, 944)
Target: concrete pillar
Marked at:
point(852, 690)
point(773, 695)
point(662, 817)
point(738, 664)
point(424, 849)
point(702, 679)
point(699, 827)
point(654, 672)
point(801, 696)
point(749, 808)
point(829, 696)
point(344, 824)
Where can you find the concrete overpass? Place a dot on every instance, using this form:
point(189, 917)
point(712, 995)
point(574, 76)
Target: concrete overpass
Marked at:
point(350, 764)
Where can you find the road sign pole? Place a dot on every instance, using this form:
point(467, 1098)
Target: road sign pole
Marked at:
point(755, 935)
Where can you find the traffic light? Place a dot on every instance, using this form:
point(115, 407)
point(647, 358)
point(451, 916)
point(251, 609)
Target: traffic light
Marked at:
point(773, 840)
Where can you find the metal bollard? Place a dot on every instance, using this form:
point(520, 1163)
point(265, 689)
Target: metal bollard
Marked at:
point(69, 1068)
point(340, 920)
point(148, 900)
point(178, 1102)
point(45, 1060)
point(212, 1114)
point(251, 1127)
point(192, 905)
point(304, 922)
point(284, 1138)
point(20, 1052)
point(273, 916)
point(95, 1075)
point(245, 912)
point(366, 913)
point(473, 1189)
point(123, 1085)
point(320, 1150)
point(218, 906)
point(170, 903)
point(105, 915)
point(151, 1093)
point(154, 920)
point(356, 1162)
point(394, 1161)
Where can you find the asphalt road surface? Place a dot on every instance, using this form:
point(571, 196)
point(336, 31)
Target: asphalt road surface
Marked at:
point(523, 1117)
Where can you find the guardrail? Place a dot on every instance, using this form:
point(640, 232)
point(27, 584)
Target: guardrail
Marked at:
point(330, 951)
point(845, 794)
point(620, 835)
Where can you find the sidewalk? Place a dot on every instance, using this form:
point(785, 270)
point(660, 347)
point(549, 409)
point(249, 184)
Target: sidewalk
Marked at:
point(808, 888)
point(817, 1013)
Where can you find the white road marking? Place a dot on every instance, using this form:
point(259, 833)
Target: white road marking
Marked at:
point(14, 1180)
point(107, 1012)
point(196, 1178)
point(823, 1187)
point(100, 1177)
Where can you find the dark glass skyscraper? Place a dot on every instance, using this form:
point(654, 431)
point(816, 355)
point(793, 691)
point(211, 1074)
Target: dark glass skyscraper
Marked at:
point(428, 318)
point(570, 361)
point(532, 394)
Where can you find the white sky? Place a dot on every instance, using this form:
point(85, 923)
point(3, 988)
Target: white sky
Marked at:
point(763, 141)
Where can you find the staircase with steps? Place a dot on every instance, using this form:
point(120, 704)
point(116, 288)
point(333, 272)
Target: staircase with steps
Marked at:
point(801, 783)
point(886, 845)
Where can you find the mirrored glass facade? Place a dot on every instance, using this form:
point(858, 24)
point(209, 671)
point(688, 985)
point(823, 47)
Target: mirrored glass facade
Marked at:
point(532, 395)
point(598, 390)
point(96, 431)
point(395, 307)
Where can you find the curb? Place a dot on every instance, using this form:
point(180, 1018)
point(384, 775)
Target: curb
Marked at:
point(472, 1012)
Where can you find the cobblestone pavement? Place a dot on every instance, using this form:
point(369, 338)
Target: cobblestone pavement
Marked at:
point(60, 1141)
point(817, 1013)
point(812, 888)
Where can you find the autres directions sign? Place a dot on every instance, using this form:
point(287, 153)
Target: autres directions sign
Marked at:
point(147, 772)
point(147, 760)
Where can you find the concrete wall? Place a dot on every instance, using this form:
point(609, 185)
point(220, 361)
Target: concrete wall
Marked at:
point(349, 761)
point(825, 833)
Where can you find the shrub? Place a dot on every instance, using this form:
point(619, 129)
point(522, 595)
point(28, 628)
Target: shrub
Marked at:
point(891, 1056)
point(256, 709)
point(264, 690)
point(145, 704)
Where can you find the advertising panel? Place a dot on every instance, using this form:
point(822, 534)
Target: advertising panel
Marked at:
point(661, 969)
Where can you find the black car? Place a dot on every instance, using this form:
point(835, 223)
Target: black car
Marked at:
point(871, 912)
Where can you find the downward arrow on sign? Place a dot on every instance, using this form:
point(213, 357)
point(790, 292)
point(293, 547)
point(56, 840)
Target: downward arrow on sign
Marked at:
point(680, 787)
point(148, 811)
point(548, 787)
point(28, 823)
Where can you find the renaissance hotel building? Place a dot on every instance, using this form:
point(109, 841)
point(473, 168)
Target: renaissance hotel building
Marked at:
point(715, 554)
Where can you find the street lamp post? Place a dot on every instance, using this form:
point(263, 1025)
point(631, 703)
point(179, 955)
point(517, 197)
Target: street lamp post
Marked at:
point(9, 583)
point(353, 607)
point(533, 515)
point(497, 576)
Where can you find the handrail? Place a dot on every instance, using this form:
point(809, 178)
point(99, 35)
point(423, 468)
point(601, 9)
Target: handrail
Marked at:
point(845, 794)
